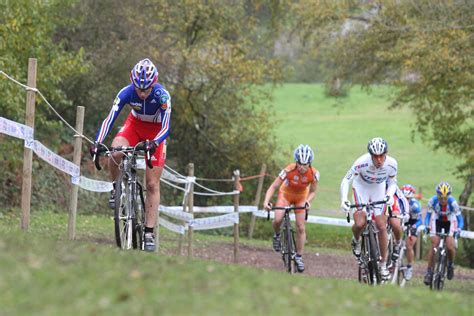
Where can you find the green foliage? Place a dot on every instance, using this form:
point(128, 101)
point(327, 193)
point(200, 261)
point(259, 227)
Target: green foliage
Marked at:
point(28, 29)
point(205, 53)
point(425, 50)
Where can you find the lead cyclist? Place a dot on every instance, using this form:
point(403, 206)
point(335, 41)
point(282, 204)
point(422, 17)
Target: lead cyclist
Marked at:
point(149, 119)
point(374, 178)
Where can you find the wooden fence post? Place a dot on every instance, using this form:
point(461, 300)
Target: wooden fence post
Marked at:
point(236, 209)
point(27, 152)
point(190, 209)
point(257, 199)
point(71, 227)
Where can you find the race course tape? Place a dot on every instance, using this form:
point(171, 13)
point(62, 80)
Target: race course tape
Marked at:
point(26, 133)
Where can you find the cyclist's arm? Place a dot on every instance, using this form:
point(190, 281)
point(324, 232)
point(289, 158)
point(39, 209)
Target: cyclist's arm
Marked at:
point(392, 178)
point(429, 211)
point(165, 109)
point(312, 190)
point(346, 182)
point(109, 121)
point(417, 210)
point(274, 186)
point(457, 212)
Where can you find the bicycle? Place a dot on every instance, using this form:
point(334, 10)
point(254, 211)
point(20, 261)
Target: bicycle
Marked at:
point(439, 274)
point(369, 259)
point(288, 247)
point(129, 211)
point(400, 267)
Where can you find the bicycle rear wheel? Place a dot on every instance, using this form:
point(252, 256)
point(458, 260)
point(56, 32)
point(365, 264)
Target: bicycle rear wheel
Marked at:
point(123, 218)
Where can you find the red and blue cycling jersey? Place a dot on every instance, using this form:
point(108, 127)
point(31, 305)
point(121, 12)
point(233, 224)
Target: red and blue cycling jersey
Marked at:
point(156, 108)
point(444, 213)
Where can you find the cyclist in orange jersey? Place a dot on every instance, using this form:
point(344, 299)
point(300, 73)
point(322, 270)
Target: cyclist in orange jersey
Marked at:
point(297, 185)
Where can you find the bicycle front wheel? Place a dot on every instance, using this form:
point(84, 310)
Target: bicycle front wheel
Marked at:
point(374, 273)
point(440, 272)
point(140, 219)
point(400, 267)
point(123, 218)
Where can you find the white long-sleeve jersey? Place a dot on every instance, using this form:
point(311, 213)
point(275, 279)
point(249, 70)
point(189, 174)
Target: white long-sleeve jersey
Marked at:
point(364, 174)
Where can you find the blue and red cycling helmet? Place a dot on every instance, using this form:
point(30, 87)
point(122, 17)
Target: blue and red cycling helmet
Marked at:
point(144, 74)
point(408, 191)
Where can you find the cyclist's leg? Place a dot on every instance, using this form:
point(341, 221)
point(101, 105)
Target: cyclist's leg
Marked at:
point(434, 243)
point(451, 227)
point(127, 136)
point(397, 234)
point(411, 241)
point(378, 194)
point(300, 227)
point(360, 196)
point(278, 218)
point(395, 222)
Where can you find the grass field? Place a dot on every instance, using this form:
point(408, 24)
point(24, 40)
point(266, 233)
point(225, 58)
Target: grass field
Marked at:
point(338, 131)
point(44, 274)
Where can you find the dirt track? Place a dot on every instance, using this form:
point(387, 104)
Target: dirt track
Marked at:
point(323, 265)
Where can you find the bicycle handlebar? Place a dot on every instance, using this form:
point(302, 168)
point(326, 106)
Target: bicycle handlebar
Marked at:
point(287, 209)
point(368, 204)
point(361, 205)
point(123, 149)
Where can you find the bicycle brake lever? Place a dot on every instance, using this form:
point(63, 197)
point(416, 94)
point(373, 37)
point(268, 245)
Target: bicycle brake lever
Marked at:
point(148, 160)
point(96, 162)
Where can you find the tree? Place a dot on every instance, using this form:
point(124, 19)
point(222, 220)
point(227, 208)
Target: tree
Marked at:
point(27, 29)
point(206, 54)
point(424, 49)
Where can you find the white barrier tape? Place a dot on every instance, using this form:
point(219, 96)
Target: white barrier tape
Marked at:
point(16, 129)
point(215, 221)
point(95, 185)
point(311, 219)
point(343, 222)
point(224, 209)
point(176, 212)
point(179, 229)
point(55, 160)
point(235, 192)
point(24, 132)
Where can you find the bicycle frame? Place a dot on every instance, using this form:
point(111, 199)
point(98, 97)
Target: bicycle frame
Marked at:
point(288, 249)
point(369, 260)
point(439, 274)
point(129, 213)
point(398, 276)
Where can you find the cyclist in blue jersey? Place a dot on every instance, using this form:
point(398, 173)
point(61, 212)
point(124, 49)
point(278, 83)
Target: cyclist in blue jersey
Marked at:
point(149, 119)
point(414, 221)
point(443, 212)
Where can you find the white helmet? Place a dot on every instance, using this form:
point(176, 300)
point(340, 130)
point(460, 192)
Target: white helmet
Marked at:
point(377, 146)
point(303, 154)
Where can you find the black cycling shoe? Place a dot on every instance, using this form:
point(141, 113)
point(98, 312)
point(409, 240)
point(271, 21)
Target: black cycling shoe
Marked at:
point(276, 243)
point(428, 278)
point(450, 271)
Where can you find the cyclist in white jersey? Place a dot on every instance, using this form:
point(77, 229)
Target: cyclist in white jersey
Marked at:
point(373, 178)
